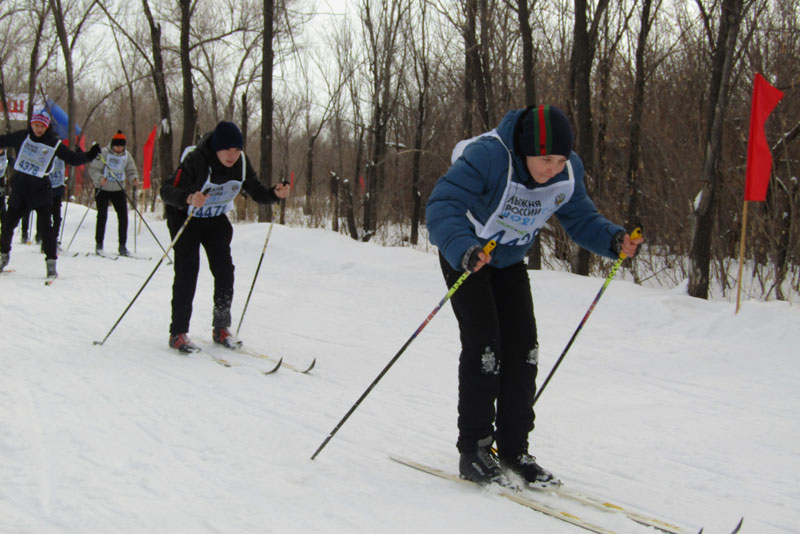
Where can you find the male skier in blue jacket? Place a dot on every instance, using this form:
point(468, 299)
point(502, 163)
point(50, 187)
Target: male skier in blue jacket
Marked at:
point(504, 185)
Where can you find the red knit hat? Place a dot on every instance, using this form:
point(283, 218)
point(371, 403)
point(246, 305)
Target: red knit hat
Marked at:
point(119, 139)
point(42, 117)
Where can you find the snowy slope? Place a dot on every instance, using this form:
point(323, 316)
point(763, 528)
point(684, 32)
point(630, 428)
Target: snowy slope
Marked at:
point(674, 404)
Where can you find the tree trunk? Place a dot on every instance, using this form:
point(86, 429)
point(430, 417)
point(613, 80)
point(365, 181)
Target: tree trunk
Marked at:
point(267, 104)
point(526, 36)
point(189, 111)
point(722, 66)
point(581, 66)
point(162, 95)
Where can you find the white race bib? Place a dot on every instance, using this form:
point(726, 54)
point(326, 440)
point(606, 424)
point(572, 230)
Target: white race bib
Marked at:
point(522, 212)
point(220, 200)
point(58, 173)
point(114, 170)
point(34, 158)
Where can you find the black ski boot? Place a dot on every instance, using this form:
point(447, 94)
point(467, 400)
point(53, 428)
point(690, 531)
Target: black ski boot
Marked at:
point(481, 465)
point(3, 260)
point(182, 343)
point(123, 251)
point(223, 336)
point(524, 465)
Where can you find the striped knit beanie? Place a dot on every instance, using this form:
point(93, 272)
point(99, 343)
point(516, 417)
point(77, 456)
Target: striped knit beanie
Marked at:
point(545, 130)
point(42, 117)
point(118, 139)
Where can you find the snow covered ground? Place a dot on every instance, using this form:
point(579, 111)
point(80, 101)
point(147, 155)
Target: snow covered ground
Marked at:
point(672, 404)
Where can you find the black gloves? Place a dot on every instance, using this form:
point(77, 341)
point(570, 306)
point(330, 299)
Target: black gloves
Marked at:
point(471, 258)
point(93, 152)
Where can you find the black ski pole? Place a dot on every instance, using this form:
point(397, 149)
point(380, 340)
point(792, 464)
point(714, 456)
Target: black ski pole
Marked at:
point(166, 252)
point(258, 268)
point(486, 249)
point(637, 233)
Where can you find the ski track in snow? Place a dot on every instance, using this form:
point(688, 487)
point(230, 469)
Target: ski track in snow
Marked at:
point(671, 404)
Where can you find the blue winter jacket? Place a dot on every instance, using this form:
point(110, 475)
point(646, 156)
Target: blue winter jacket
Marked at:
point(476, 182)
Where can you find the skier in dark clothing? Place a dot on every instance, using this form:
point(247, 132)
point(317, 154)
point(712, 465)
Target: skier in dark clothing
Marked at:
point(504, 185)
point(206, 183)
point(36, 148)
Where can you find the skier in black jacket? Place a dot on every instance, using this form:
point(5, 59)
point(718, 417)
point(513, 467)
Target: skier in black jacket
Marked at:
point(36, 147)
point(206, 182)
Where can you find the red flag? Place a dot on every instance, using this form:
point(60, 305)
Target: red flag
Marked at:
point(148, 158)
point(291, 181)
point(362, 183)
point(759, 158)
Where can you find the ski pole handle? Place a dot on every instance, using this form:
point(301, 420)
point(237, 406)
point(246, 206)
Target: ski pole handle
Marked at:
point(636, 234)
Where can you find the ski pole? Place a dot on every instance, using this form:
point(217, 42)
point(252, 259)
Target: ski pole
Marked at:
point(637, 233)
point(166, 252)
point(258, 268)
point(128, 198)
point(486, 249)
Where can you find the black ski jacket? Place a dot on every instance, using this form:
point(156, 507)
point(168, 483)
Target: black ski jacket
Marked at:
point(35, 192)
point(193, 172)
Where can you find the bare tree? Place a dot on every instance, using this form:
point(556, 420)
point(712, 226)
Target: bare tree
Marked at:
point(382, 33)
point(632, 218)
point(267, 104)
point(585, 37)
point(722, 66)
point(68, 39)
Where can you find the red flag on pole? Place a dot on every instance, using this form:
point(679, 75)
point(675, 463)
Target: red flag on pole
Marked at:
point(291, 181)
point(148, 158)
point(759, 158)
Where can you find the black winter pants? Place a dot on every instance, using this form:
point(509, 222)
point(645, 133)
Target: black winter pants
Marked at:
point(43, 228)
point(499, 356)
point(214, 234)
point(120, 203)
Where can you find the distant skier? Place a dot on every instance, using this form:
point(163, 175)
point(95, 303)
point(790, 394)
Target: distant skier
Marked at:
point(207, 181)
point(109, 174)
point(504, 185)
point(36, 146)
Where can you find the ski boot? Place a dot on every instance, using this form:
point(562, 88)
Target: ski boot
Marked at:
point(222, 336)
point(182, 343)
point(123, 251)
point(4, 256)
point(524, 465)
point(481, 465)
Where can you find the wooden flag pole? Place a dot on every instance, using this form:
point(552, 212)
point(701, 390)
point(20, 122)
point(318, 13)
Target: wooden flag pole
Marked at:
point(741, 254)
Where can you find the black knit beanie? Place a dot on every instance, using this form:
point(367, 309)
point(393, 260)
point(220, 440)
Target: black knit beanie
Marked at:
point(545, 130)
point(226, 135)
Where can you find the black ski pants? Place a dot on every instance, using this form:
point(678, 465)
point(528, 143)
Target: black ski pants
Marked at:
point(499, 356)
point(214, 234)
point(43, 228)
point(120, 203)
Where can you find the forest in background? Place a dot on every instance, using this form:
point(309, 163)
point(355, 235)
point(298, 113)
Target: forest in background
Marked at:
point(362, 106)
